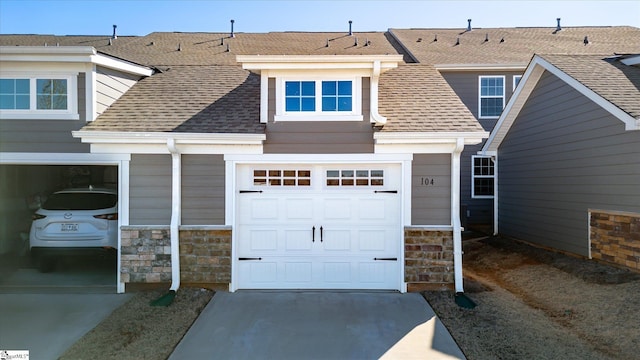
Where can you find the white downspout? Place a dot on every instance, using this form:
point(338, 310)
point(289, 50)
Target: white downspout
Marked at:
point(176, 209)
point(455, 214)
point(373, 94)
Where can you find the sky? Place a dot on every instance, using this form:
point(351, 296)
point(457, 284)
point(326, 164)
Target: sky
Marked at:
point(140, 17)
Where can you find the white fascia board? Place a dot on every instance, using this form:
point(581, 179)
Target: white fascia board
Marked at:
point(317, 158)
point(523, 91)
point(114, 137)
point(60, 158)
point(481, 67)
point(470, 138)
point(70, 54)
point(122, 65)
point(284, 62)
point(46, 50)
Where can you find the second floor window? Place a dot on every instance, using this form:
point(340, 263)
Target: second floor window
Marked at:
point(300, 96)
point(336, 96)
point(14, 94)
point(31, 94)
point(491, 96)
point(51, 94)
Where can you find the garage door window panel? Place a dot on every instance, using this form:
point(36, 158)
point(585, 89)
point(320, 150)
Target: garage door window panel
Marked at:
point(354, 178)
point(290, 178)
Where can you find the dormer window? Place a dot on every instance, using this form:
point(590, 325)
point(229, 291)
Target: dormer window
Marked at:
point(319, 87)
point(300, 96)
point(38, 97)
point(318, 99)
point(337, 95)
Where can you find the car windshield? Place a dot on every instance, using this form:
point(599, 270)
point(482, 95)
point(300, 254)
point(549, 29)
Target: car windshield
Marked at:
point(80, 201)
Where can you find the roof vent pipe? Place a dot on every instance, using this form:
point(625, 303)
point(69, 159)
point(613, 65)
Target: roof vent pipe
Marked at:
point(114, 36)
point(327, 43)
point(221, 41)
point(110, 41)
point(558, 27)
point(356, 42)
point(350, 32)
point(586, 40)
point(435, 38)
point(457, 41)
point(232, 34)
point(486, 37)
point(469, 25)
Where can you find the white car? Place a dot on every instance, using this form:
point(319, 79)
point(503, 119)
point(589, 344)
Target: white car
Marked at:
point(78, 221)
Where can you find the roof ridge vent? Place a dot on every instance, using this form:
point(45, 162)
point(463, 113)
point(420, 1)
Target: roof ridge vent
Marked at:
point(469, 25)
point(232, 33)
point(115, 35)
point(350, 32)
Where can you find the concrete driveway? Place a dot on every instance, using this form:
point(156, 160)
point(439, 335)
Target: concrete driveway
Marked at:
point(317, 325)
point(48, 324)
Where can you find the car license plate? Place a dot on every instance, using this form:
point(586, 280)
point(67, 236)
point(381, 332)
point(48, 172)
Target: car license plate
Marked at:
point(69, 227)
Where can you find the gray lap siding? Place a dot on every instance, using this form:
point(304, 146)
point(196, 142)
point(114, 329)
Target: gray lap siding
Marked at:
point(465, 85)
point(563, 156)
point(203, 181)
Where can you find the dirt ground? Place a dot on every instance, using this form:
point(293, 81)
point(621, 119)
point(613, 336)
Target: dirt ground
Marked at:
point(138, 330)
point(531, 304)
point(536, 304)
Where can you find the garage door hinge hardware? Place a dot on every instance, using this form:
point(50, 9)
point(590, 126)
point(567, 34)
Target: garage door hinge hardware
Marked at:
point(250, 191)
point(386, 191)
point(242, 259)
point(387, 259)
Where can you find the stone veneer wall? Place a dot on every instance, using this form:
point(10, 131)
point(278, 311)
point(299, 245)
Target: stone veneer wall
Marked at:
point(205, 255)
point(428, 259)
point(615, 237)
point(145, 254)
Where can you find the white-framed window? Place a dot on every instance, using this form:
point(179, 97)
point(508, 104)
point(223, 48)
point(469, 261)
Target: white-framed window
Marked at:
point(357, 177)
point(301, 99)
point(482, 177)
point(42, 96)
point(491, 96)
point(516, 81)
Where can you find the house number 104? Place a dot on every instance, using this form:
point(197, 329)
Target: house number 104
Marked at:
point(426, 181)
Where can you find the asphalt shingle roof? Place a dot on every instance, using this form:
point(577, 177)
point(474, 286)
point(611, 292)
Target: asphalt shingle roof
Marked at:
point(519, 45)
point(616, 82)
point(203, 89)
point(208, 99)
point(416, 98)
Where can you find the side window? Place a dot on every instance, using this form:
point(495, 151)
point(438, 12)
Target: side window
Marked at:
point(516, 81)
point(491, 96)
point(482, 177)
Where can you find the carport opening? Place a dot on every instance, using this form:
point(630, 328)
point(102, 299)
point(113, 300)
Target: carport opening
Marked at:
point(23, 189)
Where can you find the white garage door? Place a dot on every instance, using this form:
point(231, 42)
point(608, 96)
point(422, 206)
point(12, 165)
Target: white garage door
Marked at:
point(318, 227)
